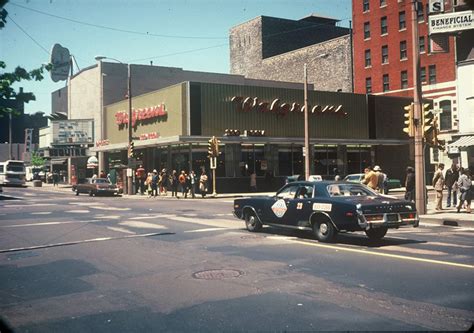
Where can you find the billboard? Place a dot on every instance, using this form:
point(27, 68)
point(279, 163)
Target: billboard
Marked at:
point(67, 132)
point(451, 22)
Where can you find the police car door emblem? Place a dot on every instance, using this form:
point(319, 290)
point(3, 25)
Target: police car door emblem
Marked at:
point(279, 208)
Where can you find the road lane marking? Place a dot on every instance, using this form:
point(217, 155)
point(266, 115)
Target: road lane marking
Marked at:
point(41, 213)
point(42, 224)
point(140, 224)
point(110, 208)
point(450, 245)
point(209, 229)
point(92, 240)
point(29, 205)
point(126, 231)
point(156, 216)
point(381, 254)
point(78, 211)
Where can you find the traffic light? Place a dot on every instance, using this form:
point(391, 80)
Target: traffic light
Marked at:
point(427, 121)
point(131, 149)
point(215, 147)
point(210, 147)
point(435, 142)
point(409, 128)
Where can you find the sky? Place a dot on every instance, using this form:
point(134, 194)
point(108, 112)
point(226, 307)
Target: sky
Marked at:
point(189, 34)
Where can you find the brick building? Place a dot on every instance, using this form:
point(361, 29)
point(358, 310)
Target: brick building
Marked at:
point(382, 35)
point(276, 49)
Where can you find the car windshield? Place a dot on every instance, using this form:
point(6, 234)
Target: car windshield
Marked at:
point(353, 178)
point(349, 190)
point(101, 181)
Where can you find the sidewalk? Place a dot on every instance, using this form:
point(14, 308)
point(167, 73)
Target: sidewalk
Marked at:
point(448, 216)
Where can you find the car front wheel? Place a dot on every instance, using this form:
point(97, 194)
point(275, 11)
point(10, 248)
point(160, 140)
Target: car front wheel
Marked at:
point(252, 222)
point(324, 230)
point(376, 234)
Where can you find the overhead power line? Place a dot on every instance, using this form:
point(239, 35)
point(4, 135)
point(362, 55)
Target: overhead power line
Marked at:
point(112, 28)
point(24, 31)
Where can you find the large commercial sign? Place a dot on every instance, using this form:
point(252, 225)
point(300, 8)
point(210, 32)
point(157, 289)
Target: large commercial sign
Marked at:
point(61, 61)
point(436, 6)
point(451, 22)
point(73, 132)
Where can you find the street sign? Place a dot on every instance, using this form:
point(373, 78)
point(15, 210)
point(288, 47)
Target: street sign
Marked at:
point(436, 6)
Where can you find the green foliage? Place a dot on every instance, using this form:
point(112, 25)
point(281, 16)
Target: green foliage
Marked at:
point(3, 13)
point(37, 160)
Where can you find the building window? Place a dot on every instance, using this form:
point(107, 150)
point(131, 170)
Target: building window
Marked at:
point(383, 25)
point(366, 30)
point(420, 15)
point(404, 79)
point(421, 44)
point(386, 85)
point(423, 74)
point(368, 85)
point(432, 74)
point(365, 6)
point(385, 54)
point(402, 23)
point(445, 116)
point(403, 50)
point(383, 3)
point(368, 61)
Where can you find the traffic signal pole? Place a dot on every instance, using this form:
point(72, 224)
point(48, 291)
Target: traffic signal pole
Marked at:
point(420, 199)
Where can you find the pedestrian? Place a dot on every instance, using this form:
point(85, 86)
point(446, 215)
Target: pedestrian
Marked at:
point(182, 184)
point(55, 178)
point(203, 184)
point(154, 183)
point(371, 179)
point(438, 185)
point(192, 183)
point(164, 182)
point(253, 182)
point(174, 184)
point(381, 180)
point(410, 184)
point(140, 179)
point(148, 184)
point(451, 181)
point(465, 187)
point(337, 177)
point(102, 174)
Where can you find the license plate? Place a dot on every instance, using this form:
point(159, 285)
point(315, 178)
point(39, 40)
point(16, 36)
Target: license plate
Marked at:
point(392, 217)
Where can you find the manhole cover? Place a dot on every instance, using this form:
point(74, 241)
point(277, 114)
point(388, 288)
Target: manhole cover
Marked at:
point(217, 274)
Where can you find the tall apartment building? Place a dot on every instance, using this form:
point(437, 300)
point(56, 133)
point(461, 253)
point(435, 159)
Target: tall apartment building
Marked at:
point(382, 36)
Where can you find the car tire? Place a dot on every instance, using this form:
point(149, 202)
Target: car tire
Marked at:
point(252, 223)
point(324, 230)
point(376, 234)
point(91, 193)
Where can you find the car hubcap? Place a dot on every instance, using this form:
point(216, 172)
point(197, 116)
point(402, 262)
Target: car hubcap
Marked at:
point(323, 228)
point(252, 221)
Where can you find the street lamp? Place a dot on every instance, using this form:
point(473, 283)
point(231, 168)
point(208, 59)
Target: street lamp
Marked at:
point(129, 96)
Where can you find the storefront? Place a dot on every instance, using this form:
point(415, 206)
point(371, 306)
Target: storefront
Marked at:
point(260, 129)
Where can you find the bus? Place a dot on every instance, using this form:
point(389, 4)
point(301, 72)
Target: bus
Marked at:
point(12, 173)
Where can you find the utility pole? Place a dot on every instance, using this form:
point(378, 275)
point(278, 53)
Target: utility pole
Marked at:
point(420, 199)
point(130, 138)
point(306, 125)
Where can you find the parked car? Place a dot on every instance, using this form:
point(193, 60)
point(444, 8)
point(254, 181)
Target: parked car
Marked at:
point(359, 177)
point(326, 208)
point(95, 186)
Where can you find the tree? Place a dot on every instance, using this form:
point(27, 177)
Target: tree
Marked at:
point(37, 160)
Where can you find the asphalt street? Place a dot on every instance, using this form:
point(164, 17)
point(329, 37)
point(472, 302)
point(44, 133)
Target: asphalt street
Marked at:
point(108, 264)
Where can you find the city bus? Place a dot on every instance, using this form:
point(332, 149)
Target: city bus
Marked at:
point(12, 173)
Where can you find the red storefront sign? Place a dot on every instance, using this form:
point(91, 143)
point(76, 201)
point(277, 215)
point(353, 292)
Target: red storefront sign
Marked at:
point(121, 117)
point(148, 136)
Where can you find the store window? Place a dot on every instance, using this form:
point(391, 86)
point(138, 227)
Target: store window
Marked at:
point(383, 3)
point(252, 159)
point(325, 160)
point(180, 158)
point(445, 116)
point(358, 157)
point(290, 160)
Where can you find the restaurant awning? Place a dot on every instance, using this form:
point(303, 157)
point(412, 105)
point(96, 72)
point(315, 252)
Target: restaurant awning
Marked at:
point(465, 141)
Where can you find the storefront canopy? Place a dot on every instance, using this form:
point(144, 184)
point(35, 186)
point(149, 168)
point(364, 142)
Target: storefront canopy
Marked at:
point(465, 141)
